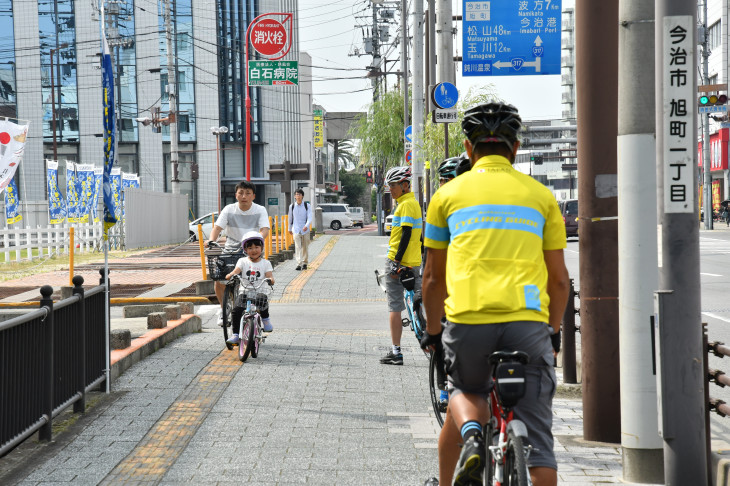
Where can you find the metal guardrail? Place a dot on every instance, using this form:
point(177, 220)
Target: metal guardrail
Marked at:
point(49, 359)
point(570, 374)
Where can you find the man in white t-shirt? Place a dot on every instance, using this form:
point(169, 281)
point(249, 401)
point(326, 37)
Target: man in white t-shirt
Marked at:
point(238, 219)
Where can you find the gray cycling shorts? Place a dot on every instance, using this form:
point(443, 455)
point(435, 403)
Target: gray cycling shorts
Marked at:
point(394, 290)
point(466, 355)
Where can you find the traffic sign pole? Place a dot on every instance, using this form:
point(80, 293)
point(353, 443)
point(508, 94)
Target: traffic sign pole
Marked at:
point(286, 45)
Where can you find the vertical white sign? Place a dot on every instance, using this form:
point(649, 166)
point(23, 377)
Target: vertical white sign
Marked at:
point(679, 114)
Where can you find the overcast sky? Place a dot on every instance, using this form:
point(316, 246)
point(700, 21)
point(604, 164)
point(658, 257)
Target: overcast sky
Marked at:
point(331, 32)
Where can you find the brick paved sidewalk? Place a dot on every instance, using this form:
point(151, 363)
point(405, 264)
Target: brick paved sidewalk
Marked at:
point(316, 407)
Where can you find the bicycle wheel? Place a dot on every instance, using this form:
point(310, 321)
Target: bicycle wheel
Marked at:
point(247, 339)
point(515, 465)
point(439, 405)
point(490, 439)
point(256, 336)
point(229, 298)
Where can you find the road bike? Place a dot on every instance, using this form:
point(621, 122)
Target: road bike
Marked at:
point(221, 264)
point(417, 322)
point(504, 435)
point(252, 295)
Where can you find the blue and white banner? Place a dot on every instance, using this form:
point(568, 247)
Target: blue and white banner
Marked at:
point(12, 206)
point(98, 174)
point(110, 143)
point(56, 201)
point(116, 182)
point(72, 195)
point(85, 189)
point(128, 180)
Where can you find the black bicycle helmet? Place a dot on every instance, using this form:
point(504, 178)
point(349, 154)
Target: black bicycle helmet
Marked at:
point(492, 122)
point(454, 166)
point(464, 165)
point(447, 168)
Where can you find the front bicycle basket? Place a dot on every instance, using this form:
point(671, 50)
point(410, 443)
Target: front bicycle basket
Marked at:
point(221, 265)
point(510, 382)
point(259, 298)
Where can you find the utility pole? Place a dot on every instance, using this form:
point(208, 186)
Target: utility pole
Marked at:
point(680, 375)
point(707, 176)
point(418, 99)
point(375, 35)
point(597, 74)
point(172, 95)
point(444, 44)
point(404, 60)
point(643, 456)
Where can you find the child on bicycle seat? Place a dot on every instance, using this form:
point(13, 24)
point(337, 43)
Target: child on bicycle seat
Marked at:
point(256, 268)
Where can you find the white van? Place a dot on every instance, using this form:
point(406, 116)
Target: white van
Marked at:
point(357, 215)
point(335, 216)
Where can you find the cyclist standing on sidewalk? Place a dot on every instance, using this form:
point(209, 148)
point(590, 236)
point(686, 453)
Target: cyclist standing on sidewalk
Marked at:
point(495, 265)
point(238, 219)
point(404, 250)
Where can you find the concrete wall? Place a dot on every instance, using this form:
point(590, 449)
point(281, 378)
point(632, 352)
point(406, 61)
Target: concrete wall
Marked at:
point(155, 218)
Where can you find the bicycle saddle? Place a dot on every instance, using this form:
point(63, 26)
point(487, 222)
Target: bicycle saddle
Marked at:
point(500, 356)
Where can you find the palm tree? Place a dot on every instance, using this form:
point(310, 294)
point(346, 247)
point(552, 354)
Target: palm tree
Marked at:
point(346, 154)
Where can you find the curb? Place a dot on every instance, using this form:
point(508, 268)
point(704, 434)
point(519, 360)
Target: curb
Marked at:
point(151, 341)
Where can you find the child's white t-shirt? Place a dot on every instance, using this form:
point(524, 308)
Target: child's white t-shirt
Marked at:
point(258, 269)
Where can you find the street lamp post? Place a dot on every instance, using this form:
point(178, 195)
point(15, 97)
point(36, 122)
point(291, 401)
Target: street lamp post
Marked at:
point(218, 131)
point(53, 97)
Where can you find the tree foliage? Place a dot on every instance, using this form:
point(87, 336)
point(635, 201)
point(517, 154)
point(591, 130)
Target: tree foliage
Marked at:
point(353, 187)
point(380, 132)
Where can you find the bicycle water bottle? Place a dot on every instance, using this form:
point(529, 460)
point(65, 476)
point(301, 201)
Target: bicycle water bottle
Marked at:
point(444, 396)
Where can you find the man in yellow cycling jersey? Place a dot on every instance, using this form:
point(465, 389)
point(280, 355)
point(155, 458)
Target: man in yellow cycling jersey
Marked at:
point(495, 266)
point(404, 250)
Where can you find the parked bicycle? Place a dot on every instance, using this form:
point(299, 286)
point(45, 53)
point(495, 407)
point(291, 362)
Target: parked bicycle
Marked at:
point(417, 322)
point(221, 264)
point(252, 295)
point(505, 436)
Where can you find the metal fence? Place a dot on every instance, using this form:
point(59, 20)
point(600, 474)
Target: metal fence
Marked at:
point(50, 358)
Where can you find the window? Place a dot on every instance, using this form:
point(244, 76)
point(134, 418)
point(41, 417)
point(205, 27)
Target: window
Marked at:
point(714, 35)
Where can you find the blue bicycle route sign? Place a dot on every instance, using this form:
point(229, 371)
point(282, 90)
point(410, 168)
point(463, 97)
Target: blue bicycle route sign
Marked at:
point(445, 95)
point(511, 37)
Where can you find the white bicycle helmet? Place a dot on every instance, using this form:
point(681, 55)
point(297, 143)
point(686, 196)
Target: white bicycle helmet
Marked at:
point(254, 236)
point(398, 174)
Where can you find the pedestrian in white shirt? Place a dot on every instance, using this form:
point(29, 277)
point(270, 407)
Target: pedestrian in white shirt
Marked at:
point(300, 220)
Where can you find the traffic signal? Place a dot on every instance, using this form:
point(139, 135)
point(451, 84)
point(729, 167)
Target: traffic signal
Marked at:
point(536, 159)
point(712, 100)
point(369, 176)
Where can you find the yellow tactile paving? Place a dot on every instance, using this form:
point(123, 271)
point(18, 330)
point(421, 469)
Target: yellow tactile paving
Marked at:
point(294, 289)
point(163, 444)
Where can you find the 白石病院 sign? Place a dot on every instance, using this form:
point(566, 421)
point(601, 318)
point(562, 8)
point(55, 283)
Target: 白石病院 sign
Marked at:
point(273, 73)
point(511, 38)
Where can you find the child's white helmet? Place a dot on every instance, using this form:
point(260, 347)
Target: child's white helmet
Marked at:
point(252, 237)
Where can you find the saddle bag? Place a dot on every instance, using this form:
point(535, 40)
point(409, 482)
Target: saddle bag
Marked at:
point(511, 384)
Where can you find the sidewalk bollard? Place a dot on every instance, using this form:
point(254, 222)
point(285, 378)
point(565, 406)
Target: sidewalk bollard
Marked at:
point(276, 230)
point(202, 252)
point(569, 361)
point(45, 432)
point(71, 257)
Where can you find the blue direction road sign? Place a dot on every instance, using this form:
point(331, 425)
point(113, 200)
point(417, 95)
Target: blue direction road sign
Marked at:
point(445, 95)
point(508, 38)
point(409, 133)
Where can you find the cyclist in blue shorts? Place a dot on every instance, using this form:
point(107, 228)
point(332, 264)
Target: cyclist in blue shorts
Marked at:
point(495, 267)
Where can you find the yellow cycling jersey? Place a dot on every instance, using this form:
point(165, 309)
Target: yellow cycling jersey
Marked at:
point(407, 213)
point(495, 222)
